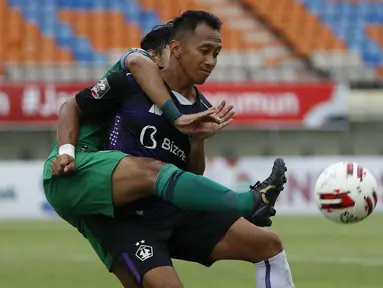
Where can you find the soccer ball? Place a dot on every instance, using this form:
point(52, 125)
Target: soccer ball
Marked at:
point(346, 192)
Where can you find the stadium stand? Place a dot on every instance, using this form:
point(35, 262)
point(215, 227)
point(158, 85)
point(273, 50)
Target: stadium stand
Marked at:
point(330, 27)
point(262, 41)
point(26, 43)
point(255, 53)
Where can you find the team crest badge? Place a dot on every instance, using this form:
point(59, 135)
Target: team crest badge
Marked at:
point(144, 251)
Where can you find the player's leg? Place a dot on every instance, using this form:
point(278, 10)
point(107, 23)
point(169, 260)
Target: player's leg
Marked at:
point(160, 277)
point(122, 273)
point(103, 180)
point(136, 177)
point(245, 241)
point(211, 236)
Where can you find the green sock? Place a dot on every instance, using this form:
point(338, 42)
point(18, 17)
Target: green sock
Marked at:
point(192, 191)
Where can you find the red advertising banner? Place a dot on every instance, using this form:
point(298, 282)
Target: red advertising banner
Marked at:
point(297, 105)
point(305, 105)
point(33, 105)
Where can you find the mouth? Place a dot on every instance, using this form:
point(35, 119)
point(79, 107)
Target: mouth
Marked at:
point(206, 71)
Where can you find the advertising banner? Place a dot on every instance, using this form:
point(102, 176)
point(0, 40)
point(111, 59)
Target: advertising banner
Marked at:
point(313, 106)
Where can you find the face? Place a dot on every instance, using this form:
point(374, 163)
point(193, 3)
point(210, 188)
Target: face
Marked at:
point(163, 59)
point(197, 52)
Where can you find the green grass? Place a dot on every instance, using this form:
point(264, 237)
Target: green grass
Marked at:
point(321, 254)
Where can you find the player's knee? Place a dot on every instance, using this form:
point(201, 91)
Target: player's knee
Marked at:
point(273, 245)
point(141, 166)
point(134, 178)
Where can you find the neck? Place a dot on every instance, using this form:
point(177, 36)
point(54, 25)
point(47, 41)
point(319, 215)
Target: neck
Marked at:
point(178, 81)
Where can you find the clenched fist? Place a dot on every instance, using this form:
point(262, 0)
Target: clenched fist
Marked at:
point(63, 164)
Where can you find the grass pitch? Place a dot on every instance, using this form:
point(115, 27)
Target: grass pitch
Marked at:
point(322, 254)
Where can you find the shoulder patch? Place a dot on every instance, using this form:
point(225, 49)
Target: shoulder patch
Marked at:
point(100, 89)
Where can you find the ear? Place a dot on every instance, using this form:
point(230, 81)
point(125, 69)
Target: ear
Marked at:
point(152, 53)
point(175, 48)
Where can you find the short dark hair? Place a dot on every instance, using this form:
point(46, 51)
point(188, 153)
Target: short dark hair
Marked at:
point(157, 38)
point(189, 21)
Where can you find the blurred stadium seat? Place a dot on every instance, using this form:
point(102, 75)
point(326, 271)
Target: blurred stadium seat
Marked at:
point(296, 40)
point(336, 35)
point(26, 43)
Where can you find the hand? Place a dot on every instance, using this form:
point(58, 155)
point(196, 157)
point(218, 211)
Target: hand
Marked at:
point(188, 124)
point(208, 129)
point(63, 164)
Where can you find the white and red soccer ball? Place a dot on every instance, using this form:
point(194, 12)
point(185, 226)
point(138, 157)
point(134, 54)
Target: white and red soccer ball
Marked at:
point(346, 192)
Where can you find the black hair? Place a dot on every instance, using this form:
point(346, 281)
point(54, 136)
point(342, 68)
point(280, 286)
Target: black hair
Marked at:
point(157, 39)
point(189, 21)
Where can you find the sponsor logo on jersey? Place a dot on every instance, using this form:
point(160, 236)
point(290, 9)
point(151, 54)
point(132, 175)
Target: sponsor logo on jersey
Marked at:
point(149, 140)
point(100, 89)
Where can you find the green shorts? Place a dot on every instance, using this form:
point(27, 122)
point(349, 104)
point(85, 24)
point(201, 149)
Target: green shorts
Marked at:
point(88, 189)
point(85, 191)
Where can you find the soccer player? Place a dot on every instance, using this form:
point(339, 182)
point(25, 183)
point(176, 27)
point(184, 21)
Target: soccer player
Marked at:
point(143, 243)
point(141, 65)
point(117, 178)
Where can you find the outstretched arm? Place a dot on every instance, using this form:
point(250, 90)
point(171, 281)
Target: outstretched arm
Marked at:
point(147, 75)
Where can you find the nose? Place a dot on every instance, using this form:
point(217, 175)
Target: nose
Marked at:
point(210, 61)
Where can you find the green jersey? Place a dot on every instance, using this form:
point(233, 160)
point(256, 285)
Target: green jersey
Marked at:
point(91, 134)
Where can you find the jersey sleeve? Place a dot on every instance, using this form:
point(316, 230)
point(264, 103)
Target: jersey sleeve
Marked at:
point(133, 50)
point(103, 99)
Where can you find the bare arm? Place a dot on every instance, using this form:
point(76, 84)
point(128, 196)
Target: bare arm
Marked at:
point(197, 163)
point(68, 123)
point(95, 103)
point(147, 75)
point(67, 134)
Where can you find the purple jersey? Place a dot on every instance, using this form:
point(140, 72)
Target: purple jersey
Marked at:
point(140, 128)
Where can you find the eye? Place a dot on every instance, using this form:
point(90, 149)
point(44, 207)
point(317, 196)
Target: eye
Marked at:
point(204, 51)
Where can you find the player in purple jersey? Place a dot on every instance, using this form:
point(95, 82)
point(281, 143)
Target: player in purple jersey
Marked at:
point(143, 243)
point(144, 66)
point(92, 163)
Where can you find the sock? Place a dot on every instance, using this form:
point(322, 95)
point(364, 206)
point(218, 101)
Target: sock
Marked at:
point(274, 273)
point(193, 191)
